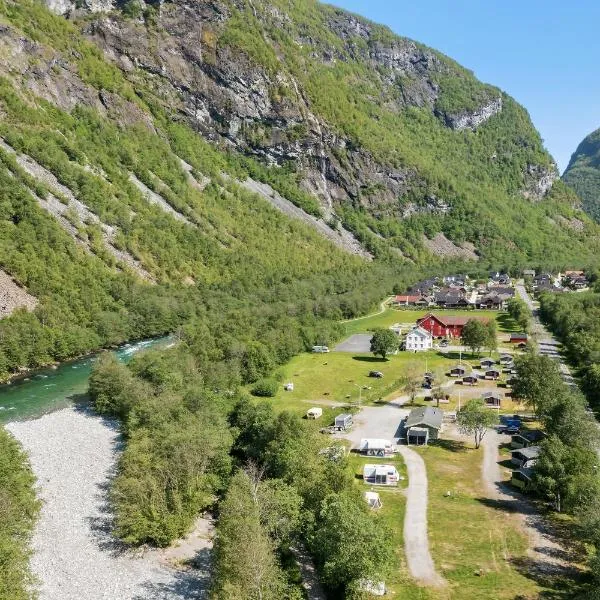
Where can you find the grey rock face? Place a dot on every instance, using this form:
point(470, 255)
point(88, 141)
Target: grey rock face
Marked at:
point(538, 181)
point(472, 120)
point(63, 7)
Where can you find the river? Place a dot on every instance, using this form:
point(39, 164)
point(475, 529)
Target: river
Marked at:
point(46, 390)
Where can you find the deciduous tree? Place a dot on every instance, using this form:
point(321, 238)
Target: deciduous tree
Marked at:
point(384, 342)
point(474, 418)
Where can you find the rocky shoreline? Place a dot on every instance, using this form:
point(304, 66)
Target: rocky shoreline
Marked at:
point(73, 454)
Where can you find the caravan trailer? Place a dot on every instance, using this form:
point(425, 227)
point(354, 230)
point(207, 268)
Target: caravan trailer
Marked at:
point(343, 422)
point(376, 447)
point(380, 475)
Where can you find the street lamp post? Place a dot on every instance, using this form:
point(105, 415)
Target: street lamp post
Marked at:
point(359, 393)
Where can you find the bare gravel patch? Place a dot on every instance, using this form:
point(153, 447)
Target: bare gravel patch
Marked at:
point(73, 454)
point(12, 296)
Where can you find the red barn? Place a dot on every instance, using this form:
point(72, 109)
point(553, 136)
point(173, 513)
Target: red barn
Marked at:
point(445, 326)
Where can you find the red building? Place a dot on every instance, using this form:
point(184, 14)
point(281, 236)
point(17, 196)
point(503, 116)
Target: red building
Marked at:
point(445, 326)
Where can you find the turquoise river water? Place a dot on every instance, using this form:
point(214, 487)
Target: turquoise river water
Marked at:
point(49, 389)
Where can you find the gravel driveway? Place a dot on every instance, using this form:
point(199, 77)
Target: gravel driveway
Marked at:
point(546, 553)
point(73, 455)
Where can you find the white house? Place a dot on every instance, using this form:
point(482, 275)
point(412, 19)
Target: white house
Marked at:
point(418, 339)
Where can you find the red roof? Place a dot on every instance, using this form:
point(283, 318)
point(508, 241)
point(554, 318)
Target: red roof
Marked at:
point(408, 298)
point(453, 321)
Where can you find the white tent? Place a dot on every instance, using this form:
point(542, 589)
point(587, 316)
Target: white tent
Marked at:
point(314, 413)
point(373, 500)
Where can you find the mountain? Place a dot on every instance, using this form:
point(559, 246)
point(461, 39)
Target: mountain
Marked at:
point(275, 165)
point(583, 173)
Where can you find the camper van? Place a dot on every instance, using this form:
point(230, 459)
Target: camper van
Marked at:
point(320, 349)
point(376, 447)
point(380, 475)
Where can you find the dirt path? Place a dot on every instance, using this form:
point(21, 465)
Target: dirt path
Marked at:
point(382, 309)
point(545, 552)
point(310, 580)
point(416, 541)
point(73, 454)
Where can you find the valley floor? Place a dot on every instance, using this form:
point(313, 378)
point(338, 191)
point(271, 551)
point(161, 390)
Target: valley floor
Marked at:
point(73, 454)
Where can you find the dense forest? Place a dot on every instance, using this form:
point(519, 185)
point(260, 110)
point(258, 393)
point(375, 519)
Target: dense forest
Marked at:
point(583, 173)
point(192, 437)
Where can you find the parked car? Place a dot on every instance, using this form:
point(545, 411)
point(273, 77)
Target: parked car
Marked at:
point(376, 374)
point(444, 344)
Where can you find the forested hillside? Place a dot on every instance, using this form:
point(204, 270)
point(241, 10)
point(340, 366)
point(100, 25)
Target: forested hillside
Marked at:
point(583, 173)
point(244, 174)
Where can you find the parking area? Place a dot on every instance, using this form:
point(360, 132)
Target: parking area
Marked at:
point(359, 343)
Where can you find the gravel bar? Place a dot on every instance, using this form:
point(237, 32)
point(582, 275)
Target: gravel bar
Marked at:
point(73, 454)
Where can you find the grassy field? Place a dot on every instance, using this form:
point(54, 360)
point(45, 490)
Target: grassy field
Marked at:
point(325, 379)
point(321, 379)
point(391, 316)
point(477, 548)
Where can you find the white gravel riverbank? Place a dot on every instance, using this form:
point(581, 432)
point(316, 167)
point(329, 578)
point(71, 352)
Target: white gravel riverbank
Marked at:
point(73, 455)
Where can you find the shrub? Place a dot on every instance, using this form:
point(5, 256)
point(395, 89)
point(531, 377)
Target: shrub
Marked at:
point(265, 388)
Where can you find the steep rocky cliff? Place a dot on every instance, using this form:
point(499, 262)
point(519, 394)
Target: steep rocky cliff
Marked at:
point(583, 173)
point(375, 133)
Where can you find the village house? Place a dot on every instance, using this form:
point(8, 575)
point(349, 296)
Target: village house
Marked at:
point(526, 438)
point(451, 298)
point(500, 278)
point(445, 326)
point(492, 373)
point(525, 457)
point(418, 340)
point(492, 399)
point(576, 280)
point(410, 300)
point(459, 371)
point(423, 424)
point(520, 339)
point(528, 273)
point(470, 380)
point(425, 287)
point(522, 478)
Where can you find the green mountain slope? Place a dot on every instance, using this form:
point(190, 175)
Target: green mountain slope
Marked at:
point(583, 173)
point(133, 142)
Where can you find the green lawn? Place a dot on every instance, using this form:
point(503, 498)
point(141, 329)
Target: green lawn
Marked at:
point(320, 379)
point(409, 316)
point(474, 545)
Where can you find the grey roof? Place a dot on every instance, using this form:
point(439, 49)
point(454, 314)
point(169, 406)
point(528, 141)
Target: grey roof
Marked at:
point(528, 453)
point(343, 416)
point(425, 415)
point(491, 395)
point(532, 435)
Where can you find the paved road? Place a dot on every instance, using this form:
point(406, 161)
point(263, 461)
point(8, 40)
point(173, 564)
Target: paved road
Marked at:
point(359, 343)
point(548, 344)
